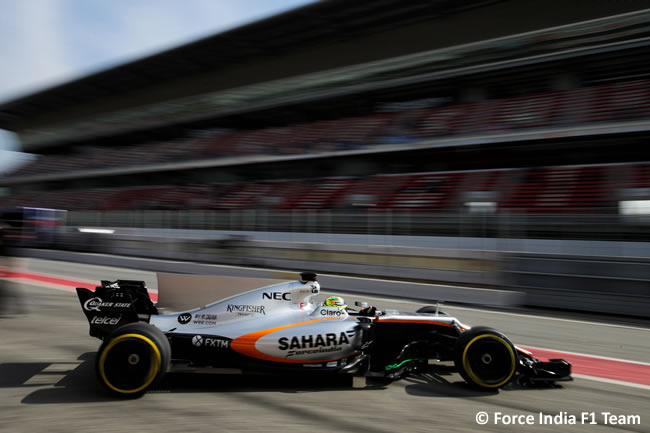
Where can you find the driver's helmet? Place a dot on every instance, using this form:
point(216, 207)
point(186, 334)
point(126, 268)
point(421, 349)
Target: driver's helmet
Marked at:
point(334, 301)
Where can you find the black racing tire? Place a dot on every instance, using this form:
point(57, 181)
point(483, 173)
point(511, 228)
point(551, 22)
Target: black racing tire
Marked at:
point(430, 309)
point(132, 358)
point(485, 358)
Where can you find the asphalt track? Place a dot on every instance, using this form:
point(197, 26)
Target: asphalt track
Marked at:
point(47, 381)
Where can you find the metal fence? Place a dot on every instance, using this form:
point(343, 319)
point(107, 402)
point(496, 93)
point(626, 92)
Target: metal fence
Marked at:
point(587, 227)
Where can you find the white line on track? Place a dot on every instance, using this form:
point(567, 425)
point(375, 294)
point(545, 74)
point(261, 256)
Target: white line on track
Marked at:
point(612, 381)
point(505, 313)
point(607, 358)
point(557, 319)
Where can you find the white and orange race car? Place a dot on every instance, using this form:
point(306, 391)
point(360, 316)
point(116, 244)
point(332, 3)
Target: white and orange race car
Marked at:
point(280, 328)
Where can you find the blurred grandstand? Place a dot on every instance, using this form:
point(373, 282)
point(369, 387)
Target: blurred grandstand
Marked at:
point(424, 118)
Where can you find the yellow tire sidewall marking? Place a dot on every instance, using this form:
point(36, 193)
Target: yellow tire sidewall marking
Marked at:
point(155, 365)
point(468, 368)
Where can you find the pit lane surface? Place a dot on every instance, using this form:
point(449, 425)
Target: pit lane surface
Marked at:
point(47, 381)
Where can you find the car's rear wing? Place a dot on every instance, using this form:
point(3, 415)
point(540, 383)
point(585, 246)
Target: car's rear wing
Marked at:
point(115, 303)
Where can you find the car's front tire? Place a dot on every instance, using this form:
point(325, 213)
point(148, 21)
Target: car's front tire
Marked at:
point(485, 358)
point(132, 359)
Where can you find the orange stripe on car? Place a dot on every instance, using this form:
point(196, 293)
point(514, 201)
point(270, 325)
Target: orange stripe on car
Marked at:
point(246, 344)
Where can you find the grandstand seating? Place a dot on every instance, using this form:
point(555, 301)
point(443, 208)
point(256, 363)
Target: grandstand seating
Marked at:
point(560, 190)
point(633, 180)
point(243, 196)
point(528, 111)
point(592, 189)
point(642, 176)
point(425, 192)
point(620, 101)
point(370, 193)
point(322, 194)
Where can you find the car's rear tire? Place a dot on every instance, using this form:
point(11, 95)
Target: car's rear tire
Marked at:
point(485, 358)
point(132, 359)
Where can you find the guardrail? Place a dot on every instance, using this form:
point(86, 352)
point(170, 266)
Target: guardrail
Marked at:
point(595, 277)
point(425, 291)
point(590, 227)
point(410, 263)
point(592, 283)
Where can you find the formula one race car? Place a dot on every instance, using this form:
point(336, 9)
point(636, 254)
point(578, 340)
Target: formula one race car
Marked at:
point(279, 328)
